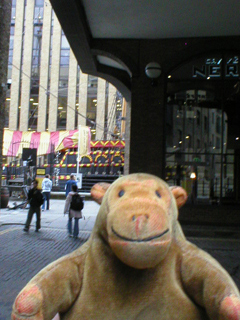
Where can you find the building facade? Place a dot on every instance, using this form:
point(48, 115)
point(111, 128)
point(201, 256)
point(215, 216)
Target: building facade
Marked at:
point(185, 129)
point(202, 126)
point(47, 90)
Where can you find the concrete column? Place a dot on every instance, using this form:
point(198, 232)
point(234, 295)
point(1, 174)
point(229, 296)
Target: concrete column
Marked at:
point(16, 68)
point(147, 149)
point(101, 99)
point(44, 71)
point(54, 76)
point(72, 83)
point(111, 113)
point(82, 108)
point(27, 67)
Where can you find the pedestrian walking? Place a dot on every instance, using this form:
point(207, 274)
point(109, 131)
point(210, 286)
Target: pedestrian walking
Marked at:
point(46, 191)
point(73, 206)
point(70, 183)
point(35, 199)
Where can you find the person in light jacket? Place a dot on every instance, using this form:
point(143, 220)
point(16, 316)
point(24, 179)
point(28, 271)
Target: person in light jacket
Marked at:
point(46, 191)
point(76, 214)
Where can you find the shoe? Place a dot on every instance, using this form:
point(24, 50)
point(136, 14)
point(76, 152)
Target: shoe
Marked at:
point(36, 230)
point(75, 237)
point(43, 209)
point(70, 235)
point(25, 229)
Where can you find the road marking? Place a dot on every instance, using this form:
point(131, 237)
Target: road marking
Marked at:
point(65, 230)
point(48, 228)
point(8, 230)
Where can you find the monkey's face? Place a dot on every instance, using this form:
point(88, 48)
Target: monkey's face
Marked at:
point(139, 220)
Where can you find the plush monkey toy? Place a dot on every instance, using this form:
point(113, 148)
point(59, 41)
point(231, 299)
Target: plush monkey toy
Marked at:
point(137, 265)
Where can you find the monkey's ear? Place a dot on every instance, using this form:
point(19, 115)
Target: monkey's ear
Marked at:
point(99, 190)
point(180, 195)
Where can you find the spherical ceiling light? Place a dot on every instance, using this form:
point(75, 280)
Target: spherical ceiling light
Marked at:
point(153, 70)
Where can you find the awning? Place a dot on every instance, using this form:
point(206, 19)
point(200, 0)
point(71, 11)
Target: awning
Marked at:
point(44, 142)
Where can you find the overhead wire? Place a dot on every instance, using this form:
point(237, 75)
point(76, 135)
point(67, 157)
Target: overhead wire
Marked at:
point(48, 92)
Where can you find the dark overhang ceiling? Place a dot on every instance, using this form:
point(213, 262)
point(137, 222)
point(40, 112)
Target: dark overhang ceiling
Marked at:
point(87, 22)
point(156, 19)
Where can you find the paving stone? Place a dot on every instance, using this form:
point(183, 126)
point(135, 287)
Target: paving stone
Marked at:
point(23, 255)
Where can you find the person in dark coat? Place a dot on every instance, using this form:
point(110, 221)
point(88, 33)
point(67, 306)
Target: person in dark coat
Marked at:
point(35, 199)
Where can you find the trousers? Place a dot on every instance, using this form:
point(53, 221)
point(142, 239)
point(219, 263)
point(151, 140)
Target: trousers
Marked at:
point(31, 212)
point(76, 226)
point(46, 196)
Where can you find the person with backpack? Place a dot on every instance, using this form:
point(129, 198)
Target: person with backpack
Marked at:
point(35, 199)
point(73, 205)
point(46, 189)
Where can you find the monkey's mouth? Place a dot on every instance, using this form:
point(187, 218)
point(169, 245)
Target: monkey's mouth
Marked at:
point(140, 240)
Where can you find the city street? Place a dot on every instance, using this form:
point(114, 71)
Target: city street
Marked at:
point(24, 254)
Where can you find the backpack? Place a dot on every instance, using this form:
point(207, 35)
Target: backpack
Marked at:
point(77, 203)
point(40, 198)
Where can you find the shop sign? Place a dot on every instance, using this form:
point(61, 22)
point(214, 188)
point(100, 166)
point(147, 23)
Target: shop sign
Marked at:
point(41, 172)
point(213, 68)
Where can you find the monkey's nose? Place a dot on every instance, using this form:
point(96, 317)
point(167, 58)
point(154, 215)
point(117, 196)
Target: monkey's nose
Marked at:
point(140, 221)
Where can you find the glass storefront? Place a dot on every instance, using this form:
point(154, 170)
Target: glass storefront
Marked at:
point(203, 128)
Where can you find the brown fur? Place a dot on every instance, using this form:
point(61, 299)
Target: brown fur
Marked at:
point(136, 265)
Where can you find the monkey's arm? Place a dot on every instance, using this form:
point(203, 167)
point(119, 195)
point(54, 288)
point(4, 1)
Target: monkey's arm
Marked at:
point(209, 285)
point(52, 290)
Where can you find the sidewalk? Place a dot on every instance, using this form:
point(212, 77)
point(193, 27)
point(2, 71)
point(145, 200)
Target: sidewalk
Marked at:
point(52, 218)
point(23, 255)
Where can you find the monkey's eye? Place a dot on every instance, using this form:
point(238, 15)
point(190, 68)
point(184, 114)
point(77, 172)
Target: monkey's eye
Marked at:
point(121, 193)
point(158, 194)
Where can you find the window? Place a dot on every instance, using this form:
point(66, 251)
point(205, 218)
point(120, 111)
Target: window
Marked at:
point(33, 112)
point(188, 141)
point(63, 84)
point(36, 53)
point(38, 12)
point(39, 3)
point(198, 144)
point(64, 59)
point(64, 43)
point(218, 125)
point(205, 123)
point(179, 136)
point(198, 117)
point(62, 113)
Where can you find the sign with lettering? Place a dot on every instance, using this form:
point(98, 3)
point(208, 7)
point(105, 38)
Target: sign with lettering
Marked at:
point(216, 68)
point(41, 172)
